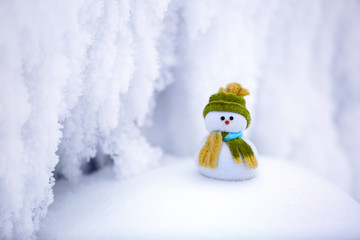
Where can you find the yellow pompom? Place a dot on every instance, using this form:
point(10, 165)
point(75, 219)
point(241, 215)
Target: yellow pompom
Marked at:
point(236, 89)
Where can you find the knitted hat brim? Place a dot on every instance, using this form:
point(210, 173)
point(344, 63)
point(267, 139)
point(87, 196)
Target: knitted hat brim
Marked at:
point(222, 106)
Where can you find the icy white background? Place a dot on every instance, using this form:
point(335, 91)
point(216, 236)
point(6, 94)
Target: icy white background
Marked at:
point(126, 81)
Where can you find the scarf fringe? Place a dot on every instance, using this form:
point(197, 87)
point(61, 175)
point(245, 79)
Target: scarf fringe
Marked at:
point(239, 148)
point(209, 152)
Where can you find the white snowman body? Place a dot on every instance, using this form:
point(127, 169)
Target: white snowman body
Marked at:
point(227, 168)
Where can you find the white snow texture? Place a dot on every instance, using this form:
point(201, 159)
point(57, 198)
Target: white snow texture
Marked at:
point(127, 80)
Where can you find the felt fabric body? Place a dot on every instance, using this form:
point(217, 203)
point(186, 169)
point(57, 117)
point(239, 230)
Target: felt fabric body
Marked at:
point(227, 168)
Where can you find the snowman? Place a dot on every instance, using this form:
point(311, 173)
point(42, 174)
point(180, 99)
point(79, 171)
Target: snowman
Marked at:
point(225, 153)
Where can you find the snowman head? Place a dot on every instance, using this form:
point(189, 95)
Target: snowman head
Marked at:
point(225, 122)
point(226, 110)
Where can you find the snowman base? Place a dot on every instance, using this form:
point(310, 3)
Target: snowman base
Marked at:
point(227, 168)
point(225, 175)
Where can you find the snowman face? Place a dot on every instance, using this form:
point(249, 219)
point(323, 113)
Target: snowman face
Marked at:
point(225, 122)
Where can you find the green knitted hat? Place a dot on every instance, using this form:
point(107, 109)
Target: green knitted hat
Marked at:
point(229, 99)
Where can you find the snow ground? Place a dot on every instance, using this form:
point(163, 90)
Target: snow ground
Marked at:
point(175, 202)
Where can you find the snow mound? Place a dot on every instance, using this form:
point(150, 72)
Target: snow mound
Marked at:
point(175, 201)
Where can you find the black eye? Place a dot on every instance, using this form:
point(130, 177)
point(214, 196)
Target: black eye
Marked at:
point(222, 118)
point(231, 118)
